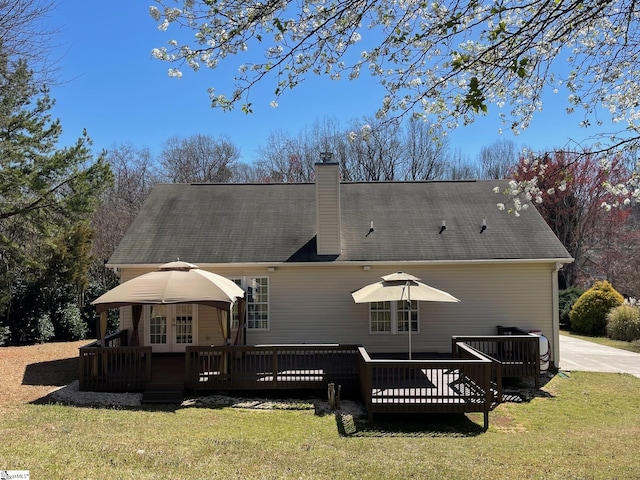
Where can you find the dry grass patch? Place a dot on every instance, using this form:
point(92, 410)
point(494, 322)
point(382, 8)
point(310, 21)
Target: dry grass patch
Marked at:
point(31, 372)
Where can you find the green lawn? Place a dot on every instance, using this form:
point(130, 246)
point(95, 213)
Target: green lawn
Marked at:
point(587, 426)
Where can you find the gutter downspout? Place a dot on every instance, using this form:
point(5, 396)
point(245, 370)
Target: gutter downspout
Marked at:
point(555, 315)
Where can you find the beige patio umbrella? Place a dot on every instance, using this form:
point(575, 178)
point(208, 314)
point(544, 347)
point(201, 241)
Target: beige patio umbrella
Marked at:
point(401, 286)
point(175, 282)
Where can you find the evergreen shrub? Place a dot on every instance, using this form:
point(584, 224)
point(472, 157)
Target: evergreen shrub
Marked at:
point(566, 300)
point(589, 313)
point(69, 323)
point(5, 335)
point(39, 329)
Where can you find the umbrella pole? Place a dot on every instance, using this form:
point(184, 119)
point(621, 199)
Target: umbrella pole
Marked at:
point(409, 315)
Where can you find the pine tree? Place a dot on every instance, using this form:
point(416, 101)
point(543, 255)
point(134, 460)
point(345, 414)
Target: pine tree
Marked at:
point(45, 191)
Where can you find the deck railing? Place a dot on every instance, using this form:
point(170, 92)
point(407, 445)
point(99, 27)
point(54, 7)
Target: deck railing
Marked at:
point(117, 339)
point(467, 352)
point(469, 381)
point(265, 367)
point(114, 367)
point(427, 386)
point(518, 355)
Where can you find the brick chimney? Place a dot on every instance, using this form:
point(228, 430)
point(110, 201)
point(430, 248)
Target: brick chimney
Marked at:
point(327, 206)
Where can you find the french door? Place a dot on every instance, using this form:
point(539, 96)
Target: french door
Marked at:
point(172, 327)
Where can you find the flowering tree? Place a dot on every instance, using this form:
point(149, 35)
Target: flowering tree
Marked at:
point(571, 195)
point(445, 60)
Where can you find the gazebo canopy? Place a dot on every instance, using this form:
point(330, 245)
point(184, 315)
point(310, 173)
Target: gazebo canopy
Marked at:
point(175, 282)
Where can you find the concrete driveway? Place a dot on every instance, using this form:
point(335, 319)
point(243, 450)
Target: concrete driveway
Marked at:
point(578, 355)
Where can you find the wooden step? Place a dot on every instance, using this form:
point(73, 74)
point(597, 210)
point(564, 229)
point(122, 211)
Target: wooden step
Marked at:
point(163, 392)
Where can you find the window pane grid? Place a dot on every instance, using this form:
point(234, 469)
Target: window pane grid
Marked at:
point(404, 310)
point(184, 329)
point(157, 327)
point(393, 317)
point(381, 317)
point(258, 303)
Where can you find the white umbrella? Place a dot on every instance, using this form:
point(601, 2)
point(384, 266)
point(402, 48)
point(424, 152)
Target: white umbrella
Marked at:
point(175, 282)
point(401, 286)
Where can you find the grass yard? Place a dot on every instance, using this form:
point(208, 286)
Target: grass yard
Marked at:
point(586, 426)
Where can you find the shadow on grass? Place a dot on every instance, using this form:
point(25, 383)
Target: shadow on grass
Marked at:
point(54, 372)
point(350, 420)
point(517, 390)
point(409, 425)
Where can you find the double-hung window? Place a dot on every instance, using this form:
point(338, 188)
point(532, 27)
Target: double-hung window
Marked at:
point(257, 303)
point(393, 317)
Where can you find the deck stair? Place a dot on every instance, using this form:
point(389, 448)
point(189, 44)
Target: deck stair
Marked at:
point(164, 392)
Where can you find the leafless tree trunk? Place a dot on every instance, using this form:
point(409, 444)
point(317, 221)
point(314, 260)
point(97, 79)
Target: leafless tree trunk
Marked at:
point(25, 35)
point(426, 152)
point(198, 159)
point(460, 167)
point(498, 160)
point(135, 173)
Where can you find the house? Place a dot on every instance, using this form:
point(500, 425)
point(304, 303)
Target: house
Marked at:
point(299, 250)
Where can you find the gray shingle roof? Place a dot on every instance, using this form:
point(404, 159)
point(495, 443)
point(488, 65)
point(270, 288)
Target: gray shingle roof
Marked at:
point(251, 223)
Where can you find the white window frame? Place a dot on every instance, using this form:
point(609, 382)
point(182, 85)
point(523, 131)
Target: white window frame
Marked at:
point(245, 283)
point(171, 312)
point(394, 310)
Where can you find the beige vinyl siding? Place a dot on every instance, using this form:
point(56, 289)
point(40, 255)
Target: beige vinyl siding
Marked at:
point(328, 208)
point(312, 304)
point(209, 331)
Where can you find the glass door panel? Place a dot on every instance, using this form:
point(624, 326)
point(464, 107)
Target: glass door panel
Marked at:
point(172, 327)
point(183, 327)
point(159, 337)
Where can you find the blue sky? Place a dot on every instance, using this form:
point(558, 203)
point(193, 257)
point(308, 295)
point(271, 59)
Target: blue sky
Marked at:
point(120, 94)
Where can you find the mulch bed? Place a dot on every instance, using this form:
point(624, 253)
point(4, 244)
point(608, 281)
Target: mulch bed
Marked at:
point(31, 372)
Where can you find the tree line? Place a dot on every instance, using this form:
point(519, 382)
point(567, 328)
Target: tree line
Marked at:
point(574, 195)
point(64, 209)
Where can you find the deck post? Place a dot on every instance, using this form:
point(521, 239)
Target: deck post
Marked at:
point(187, 367)
point(148, 356)
point(536, 356)
point(102, 327)
point(274, 365)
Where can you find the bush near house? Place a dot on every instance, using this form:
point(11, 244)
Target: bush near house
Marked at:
point(589, 314)
point(566, 300)
point(70, 324)
point(623, 323)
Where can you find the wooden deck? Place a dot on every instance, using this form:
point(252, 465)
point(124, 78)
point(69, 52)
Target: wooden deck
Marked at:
point(428, 386)
point(271, 367)
point(517, 355)
point(470, 380)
